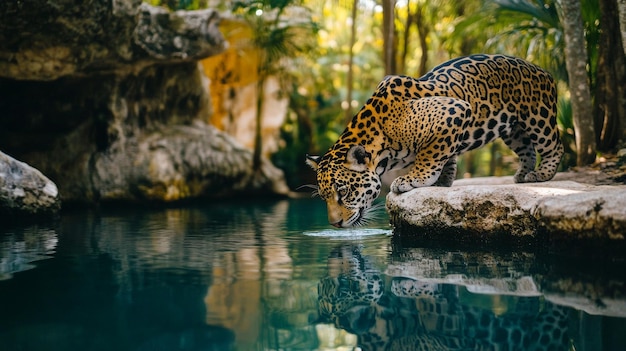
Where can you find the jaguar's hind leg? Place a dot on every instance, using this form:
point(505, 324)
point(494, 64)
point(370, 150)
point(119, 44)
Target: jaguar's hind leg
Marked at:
point(550, 157)
point(448, 174)
point(523, 147)
point(543, 132)
point(527, 146)
point(537, 135)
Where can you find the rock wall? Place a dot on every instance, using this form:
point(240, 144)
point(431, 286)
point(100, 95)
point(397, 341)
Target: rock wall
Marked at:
point(43, 40)
point(107, 99)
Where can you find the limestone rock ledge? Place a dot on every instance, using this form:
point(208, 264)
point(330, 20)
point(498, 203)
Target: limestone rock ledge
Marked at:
point(491, 206)
point(24, 191)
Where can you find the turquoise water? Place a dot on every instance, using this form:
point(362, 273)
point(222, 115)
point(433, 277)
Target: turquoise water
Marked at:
point(272, 275)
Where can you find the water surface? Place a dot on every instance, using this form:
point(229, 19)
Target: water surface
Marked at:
point(272, 275)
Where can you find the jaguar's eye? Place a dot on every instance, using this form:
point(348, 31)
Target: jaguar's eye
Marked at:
point(342, 191)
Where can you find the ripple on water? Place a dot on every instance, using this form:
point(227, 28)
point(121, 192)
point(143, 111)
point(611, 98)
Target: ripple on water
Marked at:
point(348, 233)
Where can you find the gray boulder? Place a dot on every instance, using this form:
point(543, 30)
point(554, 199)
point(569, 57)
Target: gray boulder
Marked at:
point(24, 191)
point(180, 162)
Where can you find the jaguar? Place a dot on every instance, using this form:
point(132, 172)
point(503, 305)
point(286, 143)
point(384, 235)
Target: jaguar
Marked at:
point(411, 130)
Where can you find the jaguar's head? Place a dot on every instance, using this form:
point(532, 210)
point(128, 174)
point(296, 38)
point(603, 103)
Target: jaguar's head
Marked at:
point(347, 181)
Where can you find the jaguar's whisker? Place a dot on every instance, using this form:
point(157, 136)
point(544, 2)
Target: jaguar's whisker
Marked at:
point(315, 188)
point(309, 186)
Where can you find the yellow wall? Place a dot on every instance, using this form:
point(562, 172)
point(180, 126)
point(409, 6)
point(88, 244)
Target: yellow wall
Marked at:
point(236, 67)
point(233, 87)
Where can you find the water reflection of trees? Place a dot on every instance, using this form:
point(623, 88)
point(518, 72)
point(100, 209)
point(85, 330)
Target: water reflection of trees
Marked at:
point(256, 290)
point(236, 260)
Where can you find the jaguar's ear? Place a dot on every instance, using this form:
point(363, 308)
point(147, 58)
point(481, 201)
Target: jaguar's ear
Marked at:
point(312, 161)
point(357, 158)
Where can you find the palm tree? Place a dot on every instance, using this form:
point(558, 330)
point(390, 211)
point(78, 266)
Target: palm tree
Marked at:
point(526, 28)
point(282, 29)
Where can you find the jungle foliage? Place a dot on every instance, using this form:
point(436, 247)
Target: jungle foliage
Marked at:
point(355, 43)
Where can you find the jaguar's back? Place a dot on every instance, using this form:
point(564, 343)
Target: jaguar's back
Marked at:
point(510, 98)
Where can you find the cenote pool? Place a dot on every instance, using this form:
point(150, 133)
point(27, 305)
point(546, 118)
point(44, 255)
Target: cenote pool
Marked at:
point(272, 275)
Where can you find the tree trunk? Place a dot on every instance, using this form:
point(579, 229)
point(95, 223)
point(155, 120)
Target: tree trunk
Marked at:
point(609, 108)
point(389, 36)
point(470, 164)
point(410, 19)
point(576, 62)
point(468, 43)
point(258, 128)
point(422, 32)
point(621, 8)
point(493, 161)
point(350, 77)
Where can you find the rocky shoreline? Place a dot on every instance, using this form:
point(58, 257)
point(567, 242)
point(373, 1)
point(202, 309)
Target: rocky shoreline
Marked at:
point(494, 209)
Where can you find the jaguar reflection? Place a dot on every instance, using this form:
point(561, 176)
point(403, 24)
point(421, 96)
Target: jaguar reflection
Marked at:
point(398, 313)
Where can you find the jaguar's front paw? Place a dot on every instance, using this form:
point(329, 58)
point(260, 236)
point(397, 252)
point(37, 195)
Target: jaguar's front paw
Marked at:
point(401, 185)
point(523, 177)
point(531, 177)
point(520, 177)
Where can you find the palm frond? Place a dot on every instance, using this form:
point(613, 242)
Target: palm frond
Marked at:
point(539, 10)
